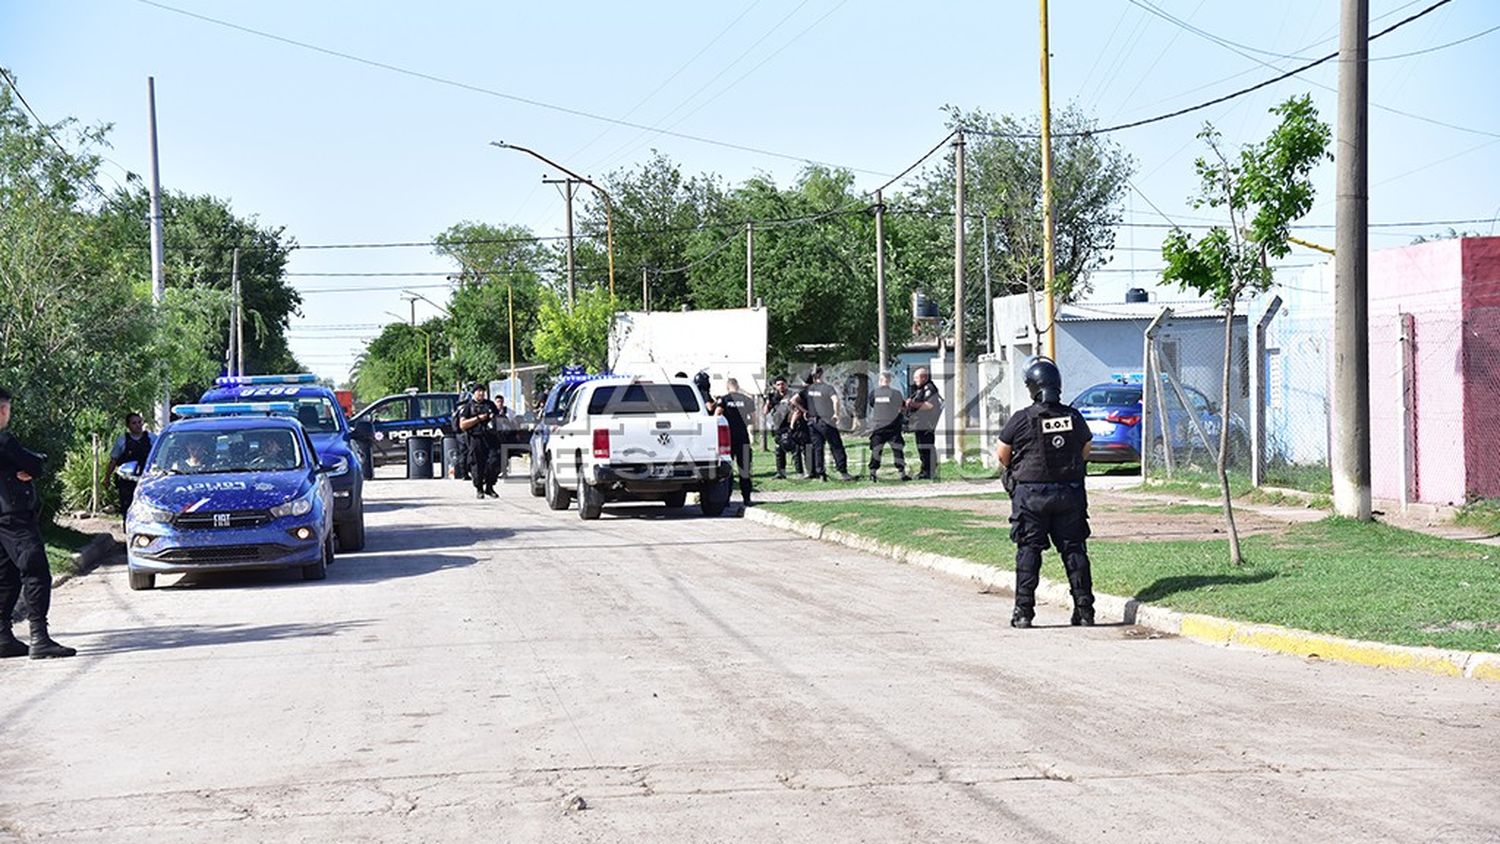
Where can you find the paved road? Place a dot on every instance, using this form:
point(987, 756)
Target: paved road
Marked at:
point(483, 664)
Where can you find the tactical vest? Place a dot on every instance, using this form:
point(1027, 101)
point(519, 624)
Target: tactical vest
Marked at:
point(136, 450)
point(1053, 451)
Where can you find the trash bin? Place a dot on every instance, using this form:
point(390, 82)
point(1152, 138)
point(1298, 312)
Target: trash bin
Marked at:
point(451, 457)
point(418, 457)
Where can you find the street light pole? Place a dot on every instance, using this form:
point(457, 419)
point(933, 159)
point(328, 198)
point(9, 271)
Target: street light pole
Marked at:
point(609, 212)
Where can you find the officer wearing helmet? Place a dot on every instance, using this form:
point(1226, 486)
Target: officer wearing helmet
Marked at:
point(1045, 451)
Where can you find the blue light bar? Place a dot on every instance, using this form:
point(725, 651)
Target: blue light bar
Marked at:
point(1128, 377)
point(233, 408)
point(240, 380)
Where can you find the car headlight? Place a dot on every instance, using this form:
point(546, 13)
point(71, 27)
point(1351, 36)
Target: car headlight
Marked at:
point(141, 511)
point(296, 507)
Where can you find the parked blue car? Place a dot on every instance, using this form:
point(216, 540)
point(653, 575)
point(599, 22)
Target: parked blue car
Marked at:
point(231, 492)
point(1113, 411)
point(333, 437)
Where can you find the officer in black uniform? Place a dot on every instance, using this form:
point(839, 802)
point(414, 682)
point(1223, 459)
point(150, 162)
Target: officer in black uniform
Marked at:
point(924, 409)
point(133, 446)
point(1045, 449)
point(820, 402)
point(23, 557)
point(787, 427)
point(738, 409)
point(474, 421)
point(887, 413)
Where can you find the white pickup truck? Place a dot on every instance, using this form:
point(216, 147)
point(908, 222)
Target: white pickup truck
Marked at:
point(627, 439)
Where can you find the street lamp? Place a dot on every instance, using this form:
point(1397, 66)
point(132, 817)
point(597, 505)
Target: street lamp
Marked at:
point(427, 337)
point(609, 215)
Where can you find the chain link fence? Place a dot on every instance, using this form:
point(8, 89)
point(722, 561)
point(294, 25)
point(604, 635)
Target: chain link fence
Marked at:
point(1182, 402)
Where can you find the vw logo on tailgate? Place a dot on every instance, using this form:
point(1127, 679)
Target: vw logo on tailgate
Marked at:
point(664, 438)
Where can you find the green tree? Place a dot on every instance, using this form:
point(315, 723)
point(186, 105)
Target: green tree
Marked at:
point(398, 359)
point(576, 336)
point(498, 263)
point(1264, 189)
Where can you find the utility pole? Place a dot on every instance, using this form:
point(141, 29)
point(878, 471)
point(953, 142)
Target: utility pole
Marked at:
point(959, 394)
point(989, 296)
point(568, 184)
point(510, 318)
point(412, 300)
point(645, 290)
point(239, 315)
point(158, 267)
point(880, 331)
point(1351, 328)
point(749, 265)
point(1049, 226)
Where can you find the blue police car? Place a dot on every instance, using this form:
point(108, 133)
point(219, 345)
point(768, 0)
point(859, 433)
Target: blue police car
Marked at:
point(231, 492)
point(333, 437)
point(1113, 411)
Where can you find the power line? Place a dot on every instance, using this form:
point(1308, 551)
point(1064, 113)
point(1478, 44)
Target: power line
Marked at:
point(47, 130)
point(1435, 49)
point(478, 89)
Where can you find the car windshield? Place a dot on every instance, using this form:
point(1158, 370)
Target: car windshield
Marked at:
point(623, 399)
point(1108, 396)
point(269, 449)
point(317, 415)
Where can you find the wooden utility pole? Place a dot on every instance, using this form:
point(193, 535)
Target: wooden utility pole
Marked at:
point(880, 315)
point(1049, 226)
point(1351, 328)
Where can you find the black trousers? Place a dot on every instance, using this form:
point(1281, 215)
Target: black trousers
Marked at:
point(1057, 513)
point(484, 463)
point(743, 456)
point(23, 568)
point(786, 445)
point(889, 434)
point(927, 451)
point(126, 490)
point(824, 433)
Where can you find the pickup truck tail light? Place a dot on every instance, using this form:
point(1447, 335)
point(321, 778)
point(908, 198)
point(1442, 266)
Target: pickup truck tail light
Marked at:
point(723, 438)
point(1126, 419)
point(601, 443)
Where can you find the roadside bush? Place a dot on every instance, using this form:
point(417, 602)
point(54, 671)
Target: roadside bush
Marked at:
point(75, 480)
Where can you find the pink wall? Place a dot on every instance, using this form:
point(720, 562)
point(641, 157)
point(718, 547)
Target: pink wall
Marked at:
point(1425, 280)
point(1481, 364)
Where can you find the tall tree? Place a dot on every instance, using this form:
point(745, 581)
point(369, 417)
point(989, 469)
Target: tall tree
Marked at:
point(497, 263)
point(1264, 189)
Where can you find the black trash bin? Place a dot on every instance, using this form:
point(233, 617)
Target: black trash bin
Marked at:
point(418, 458)
point(452, 455)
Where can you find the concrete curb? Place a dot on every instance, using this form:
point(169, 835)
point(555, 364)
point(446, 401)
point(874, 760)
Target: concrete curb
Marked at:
point(1201, 628)
point(100, 548)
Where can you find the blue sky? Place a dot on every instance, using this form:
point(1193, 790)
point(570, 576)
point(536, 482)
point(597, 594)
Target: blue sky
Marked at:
point(338, 151)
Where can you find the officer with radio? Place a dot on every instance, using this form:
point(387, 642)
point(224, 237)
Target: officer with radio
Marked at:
point(1045, 451)
point(474, 423)
point(787, 426)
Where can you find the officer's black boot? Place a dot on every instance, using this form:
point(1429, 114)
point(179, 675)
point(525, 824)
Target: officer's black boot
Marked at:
point(1083, 616)
point(1019, 618)
point(42, 646)
point(9, 644)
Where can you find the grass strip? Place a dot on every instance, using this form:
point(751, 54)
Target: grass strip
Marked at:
point(62, 543)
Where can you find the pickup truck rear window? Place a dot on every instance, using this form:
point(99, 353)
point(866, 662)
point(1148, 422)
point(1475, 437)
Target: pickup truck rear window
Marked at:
point(625, 399)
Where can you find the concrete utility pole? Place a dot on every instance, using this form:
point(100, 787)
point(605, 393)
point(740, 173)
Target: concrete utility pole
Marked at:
point(568, 184)
point(158, 267)
point(880, 331)
point(749, 265)
point(1049, 246)
point(609, 205)
point(989, 296)
point(412, 300)
point(239, 316)
point(959, 394)
point(1351, 327)
point(645, 290)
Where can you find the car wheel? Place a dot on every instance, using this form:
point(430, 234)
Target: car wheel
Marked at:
point(351, 535)
point(590, 500)
point(714, 497)
point(557, 497)
point(538, 483)
point(142, 580)
point(319, 570)
point(675, 500)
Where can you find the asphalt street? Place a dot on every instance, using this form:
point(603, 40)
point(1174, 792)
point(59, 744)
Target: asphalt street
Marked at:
point(496, 671)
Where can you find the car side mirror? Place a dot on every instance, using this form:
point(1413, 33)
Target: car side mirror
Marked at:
point(363, 429)
point(327, 468)
point(129, 470)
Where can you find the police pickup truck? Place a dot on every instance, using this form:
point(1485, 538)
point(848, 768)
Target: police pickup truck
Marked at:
point(627, 439)
point(318, 410)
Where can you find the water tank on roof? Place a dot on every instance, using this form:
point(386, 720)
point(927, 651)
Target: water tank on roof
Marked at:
point(923, 306)
point(1137, 294)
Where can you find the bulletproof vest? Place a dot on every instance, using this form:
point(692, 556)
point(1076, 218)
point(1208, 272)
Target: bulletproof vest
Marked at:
point(1053, 449)
point(137, 450)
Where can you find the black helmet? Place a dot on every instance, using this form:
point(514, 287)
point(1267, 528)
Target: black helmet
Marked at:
point(1043, 380)
point(701, 382)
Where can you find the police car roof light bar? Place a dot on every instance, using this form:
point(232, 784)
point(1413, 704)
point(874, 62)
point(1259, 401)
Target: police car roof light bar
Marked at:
point(1128, 377)
point(234, 408)
point(240, 380)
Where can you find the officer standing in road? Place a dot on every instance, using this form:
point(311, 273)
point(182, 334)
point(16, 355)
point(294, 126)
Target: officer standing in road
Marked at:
point(738, 409)
point(820, 402)
point(133, 446)
point(924, 410)
point(23, 557)
point(474, 420)
point(1045, 449)
point(787, 427)
point(886, 416)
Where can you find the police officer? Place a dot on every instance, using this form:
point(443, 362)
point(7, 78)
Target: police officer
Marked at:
point(820, 402)
point(1045, 449)
point(23, 557)
point(505, 435)
point(738, 409)
point(886, 416)
point(474, 420)
point(787, 427)
point(132, 446)
point(924, 408)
